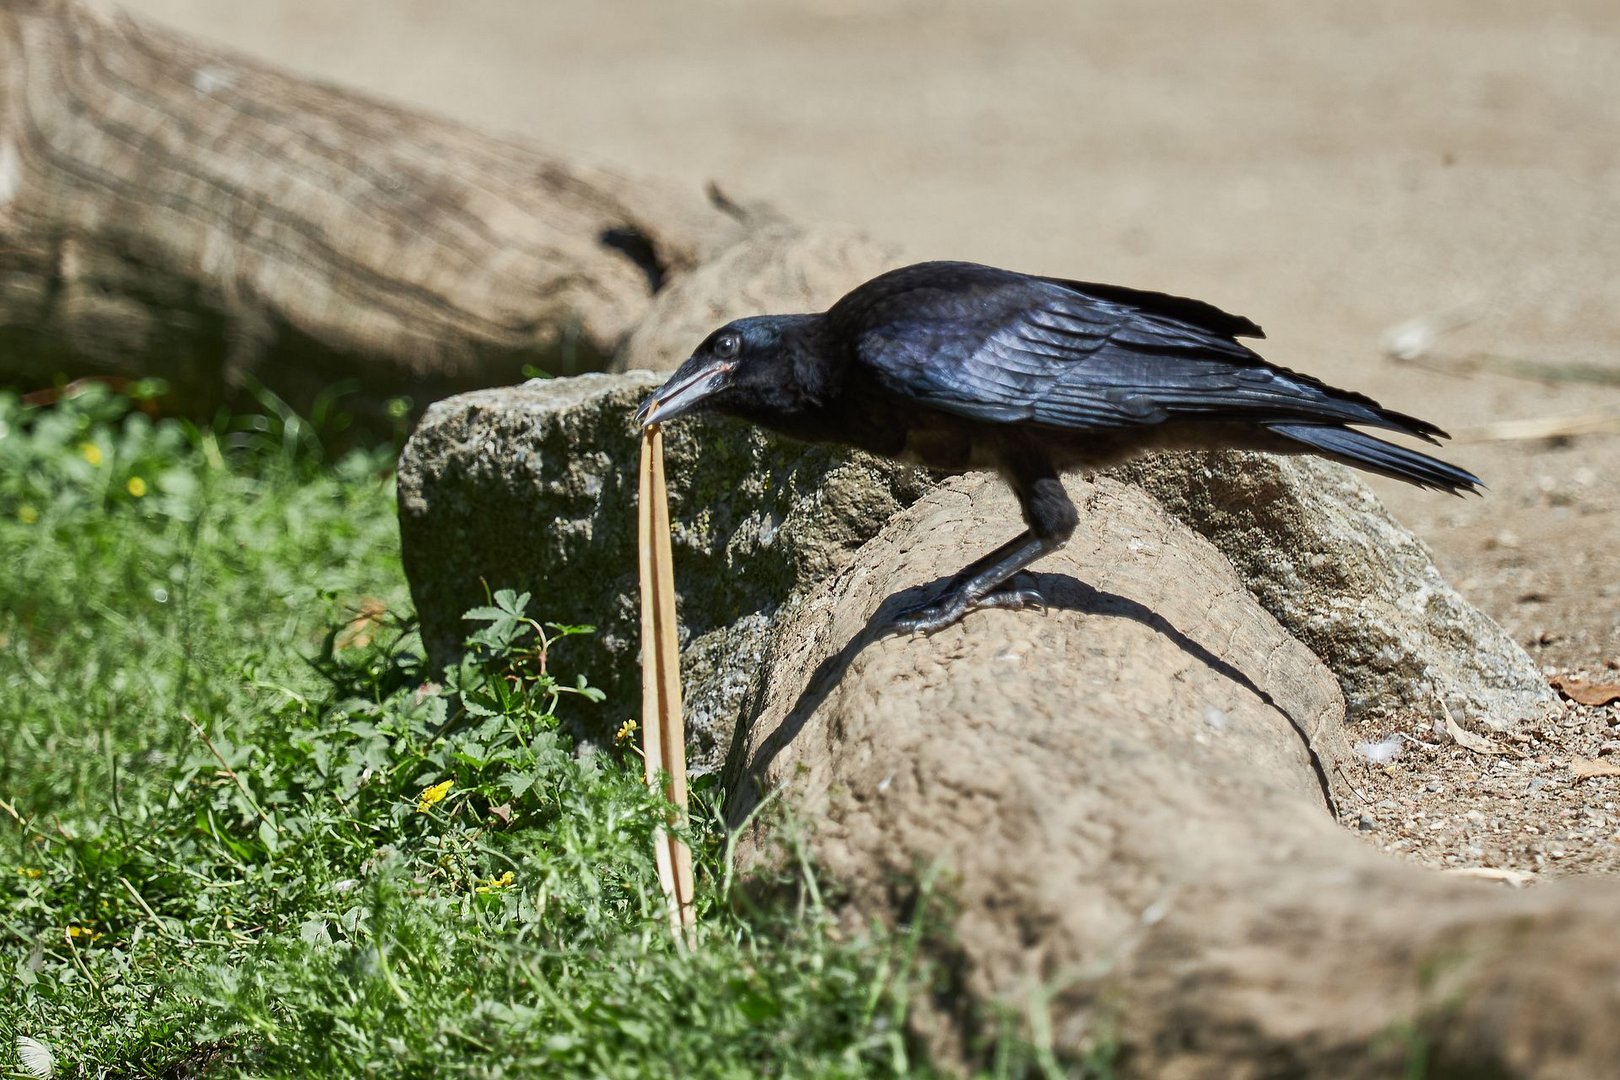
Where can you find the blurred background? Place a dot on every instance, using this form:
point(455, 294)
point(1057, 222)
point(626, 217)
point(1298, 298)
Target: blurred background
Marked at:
point(1327, 168)
point(1443, 176)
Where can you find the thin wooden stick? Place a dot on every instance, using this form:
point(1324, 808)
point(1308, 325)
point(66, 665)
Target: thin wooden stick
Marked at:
point(663, 730)
point(1543, 427)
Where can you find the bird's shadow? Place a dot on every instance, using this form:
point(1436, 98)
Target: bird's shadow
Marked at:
point(1061, 591)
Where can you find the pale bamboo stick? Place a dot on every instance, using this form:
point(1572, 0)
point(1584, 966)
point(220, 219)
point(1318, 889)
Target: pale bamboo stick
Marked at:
point(663, 730)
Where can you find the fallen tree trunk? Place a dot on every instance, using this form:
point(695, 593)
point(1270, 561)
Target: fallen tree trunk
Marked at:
point(1120, 802)
point(178, 210)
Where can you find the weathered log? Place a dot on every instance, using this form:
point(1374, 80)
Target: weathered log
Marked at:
point(174, 209)
point(1121, 801)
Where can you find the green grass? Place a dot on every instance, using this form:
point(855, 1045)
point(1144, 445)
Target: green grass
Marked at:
point(220, 846)
point(244, 831)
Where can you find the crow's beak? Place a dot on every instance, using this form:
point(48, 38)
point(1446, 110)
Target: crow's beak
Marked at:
point(685, 391)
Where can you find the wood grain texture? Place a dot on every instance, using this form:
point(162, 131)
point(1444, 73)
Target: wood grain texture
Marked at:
point(171, 208)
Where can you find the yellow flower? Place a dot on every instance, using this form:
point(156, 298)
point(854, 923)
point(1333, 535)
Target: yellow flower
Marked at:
point(435, 794)
point(27, 514)
point(626, 729)
point(90, 452)
point(84, 932)
point(136, 487)
point(30, 871)
point(495, 883)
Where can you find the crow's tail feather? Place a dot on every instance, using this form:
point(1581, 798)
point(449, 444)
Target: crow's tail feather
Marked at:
point(1375, 455)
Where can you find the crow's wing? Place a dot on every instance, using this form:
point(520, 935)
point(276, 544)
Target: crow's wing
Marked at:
point(1007, 348)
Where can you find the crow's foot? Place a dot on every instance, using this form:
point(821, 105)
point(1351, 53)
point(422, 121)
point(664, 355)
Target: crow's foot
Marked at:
point(1015, 594)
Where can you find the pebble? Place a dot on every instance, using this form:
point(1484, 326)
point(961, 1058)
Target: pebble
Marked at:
point(1520, 812)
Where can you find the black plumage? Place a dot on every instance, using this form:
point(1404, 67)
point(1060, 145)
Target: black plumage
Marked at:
point(958, 367)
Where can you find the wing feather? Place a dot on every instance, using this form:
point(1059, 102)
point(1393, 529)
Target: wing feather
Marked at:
point(1003, 347)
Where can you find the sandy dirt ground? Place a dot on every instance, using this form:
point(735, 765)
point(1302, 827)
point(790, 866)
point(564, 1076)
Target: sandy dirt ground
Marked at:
point(1334, 171)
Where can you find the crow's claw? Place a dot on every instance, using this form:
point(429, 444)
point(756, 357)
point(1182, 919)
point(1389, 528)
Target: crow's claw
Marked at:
point(1015, 594)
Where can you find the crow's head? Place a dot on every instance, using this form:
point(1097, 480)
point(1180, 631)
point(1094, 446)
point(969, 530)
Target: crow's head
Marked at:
point(748, 367)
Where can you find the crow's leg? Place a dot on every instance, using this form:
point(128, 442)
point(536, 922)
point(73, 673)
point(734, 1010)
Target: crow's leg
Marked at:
point(982, 584)
point(995, 580)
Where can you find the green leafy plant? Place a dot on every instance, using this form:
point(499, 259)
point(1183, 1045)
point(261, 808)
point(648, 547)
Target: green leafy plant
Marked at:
point(243, 829)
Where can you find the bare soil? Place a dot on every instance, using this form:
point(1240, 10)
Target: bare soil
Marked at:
point(1524, 809)
point(1332, 171)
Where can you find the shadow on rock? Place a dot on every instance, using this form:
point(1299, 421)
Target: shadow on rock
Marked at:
point(1063, 592)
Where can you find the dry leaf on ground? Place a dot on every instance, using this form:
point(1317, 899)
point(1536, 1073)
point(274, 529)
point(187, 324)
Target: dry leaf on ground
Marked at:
point(1477, 743)
point(1586, 770)
point(1583, 692)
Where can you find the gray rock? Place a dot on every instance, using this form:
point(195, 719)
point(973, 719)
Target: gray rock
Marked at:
point(533, 488)
point(1321, 553)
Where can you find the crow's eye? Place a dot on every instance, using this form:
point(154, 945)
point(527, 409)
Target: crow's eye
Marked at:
point(727, 346)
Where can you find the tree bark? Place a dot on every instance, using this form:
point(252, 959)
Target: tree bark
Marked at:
point(1119, 805)
point(174, 209)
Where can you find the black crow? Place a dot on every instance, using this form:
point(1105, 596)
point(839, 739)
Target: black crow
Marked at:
point(960, 367)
